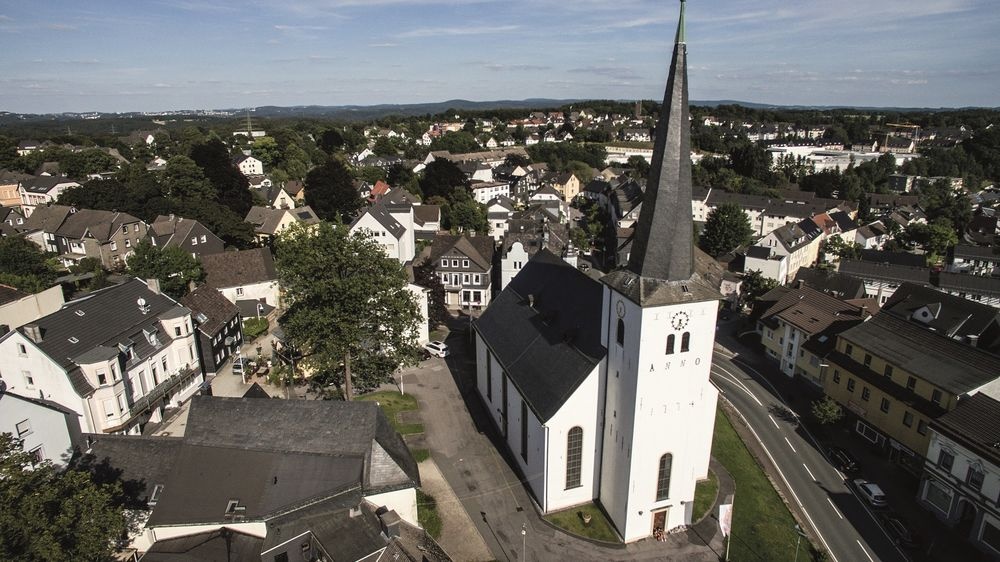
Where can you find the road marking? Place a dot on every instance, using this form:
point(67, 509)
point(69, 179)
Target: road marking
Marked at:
point(787, 485)
point(774, 422)
point(835, 510)
point(865, 550)
point(809, 472)
point(793, 449)
point(732, 378)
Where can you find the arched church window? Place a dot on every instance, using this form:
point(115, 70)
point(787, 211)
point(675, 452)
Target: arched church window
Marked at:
point(663, 477)
point(686, 341)
point(574, 457)
point(670, 343)
point(621, 332)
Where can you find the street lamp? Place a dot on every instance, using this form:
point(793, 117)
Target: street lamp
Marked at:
point(231, 342)
point(798, 540)
point(524, 541)
point(260, 308)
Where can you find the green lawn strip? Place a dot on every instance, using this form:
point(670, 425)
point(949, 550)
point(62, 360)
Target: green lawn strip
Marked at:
point(427, 514)
point(420, 455)
point(392, 403)
point(571, 520)
point(763, 528)
point(704, 496)
point(439, 335)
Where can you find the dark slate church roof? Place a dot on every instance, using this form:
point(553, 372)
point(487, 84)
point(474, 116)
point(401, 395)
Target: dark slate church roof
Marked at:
point(547, 349)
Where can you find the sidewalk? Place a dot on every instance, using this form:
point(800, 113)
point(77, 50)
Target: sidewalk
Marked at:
point(459, 537)
point(938, 541)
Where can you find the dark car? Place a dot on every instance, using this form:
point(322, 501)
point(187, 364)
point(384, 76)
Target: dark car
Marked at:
point(844, 461)
point(898, 530)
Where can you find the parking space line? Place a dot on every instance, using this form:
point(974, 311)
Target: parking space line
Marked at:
point(835, 510)
point(865, 550)
point(809, 472)
point(774, 422)
point(791, 446)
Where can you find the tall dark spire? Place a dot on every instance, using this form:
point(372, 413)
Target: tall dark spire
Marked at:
point(663, 245)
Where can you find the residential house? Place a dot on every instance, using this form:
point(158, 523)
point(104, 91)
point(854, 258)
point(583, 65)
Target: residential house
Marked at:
point(297, 189)
point(190, 235)
point(269, 223)
point(426, 221)
point(498, 212)
point(961, 474)
point(378, 191)
point(42, 190)
point(971, 323)
point(346, 485)
point(395, 239)
point(11, 220)
point(831, 282)
point(884, 272)
point(872, 236)
point(18, 308)
point(117, 358)
point(47, 430)
point(10, 194)
point(768, 213)
point(975, 260)
point(788, 319)
point(465, 266)
point(107, 236)
point(898, 145)
point(796, 244)
point(483, 191)
point(275, 197)
point(976, 288)
point(219, 325)
point(567, 184)
point(894, 376)
point(529, 232)
point(245, 275)
point(767, 261)
point(248, 165)
point(27, 146)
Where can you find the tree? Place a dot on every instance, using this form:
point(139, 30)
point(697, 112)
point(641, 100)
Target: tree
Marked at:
point(184, 180)
point(50, 514)
point(845, 250)
point(23, 265)
point(174, 267)
point(330, 140)
point(827, 411)
point(458, 142)
point(754, 286)
point(383, 147)
point(441, 177)
point(726, 229)
point(349, 311)
point(425, 275)
point(231, 187)
point(935, 237)
point(639, 168)
point(330, 191)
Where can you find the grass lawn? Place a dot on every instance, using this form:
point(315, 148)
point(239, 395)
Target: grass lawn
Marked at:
point(572, 521)
point(392, 403)
point(440, 334)
point(704, 496)
point(420, 455)
point(763, 528)
point(427, 514)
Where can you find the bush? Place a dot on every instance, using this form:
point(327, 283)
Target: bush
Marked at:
point(427, 514)
point(253, 327)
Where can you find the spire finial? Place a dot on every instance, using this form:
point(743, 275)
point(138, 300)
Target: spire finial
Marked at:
point(680, 25)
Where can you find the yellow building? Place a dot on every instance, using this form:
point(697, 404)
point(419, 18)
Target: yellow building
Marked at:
point(895, 377)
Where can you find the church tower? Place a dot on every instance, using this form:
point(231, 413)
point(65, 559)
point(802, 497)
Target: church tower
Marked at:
point(659, 329)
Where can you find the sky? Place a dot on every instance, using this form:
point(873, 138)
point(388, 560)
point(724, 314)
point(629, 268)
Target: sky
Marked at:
point(159, 55)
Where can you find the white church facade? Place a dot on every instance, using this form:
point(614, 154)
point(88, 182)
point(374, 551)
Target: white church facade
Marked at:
point(601, 389)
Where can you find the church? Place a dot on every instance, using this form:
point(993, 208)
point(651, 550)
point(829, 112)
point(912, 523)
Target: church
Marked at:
point(601, 388)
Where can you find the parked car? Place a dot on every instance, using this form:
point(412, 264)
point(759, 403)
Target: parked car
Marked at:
point(241, 365)
point(871, 492)
point(843, 460)
point(437, 348)
point(898, 530)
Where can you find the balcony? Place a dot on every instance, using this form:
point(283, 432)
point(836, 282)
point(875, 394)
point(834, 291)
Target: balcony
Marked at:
point(169, 384)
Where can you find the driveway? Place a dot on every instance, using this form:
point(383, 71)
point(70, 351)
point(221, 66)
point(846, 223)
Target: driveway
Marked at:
point(461, 441)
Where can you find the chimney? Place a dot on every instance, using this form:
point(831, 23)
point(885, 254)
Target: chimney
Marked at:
point(390, 523)
point(531, 301)
point(153, 284)
point(34, 332)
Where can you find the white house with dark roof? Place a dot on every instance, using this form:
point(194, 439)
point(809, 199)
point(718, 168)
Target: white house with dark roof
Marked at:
point(498, 212)
point(42, 190)
point(601, 389)
point(269, 223)
point(246, 275)
point(248, 165)
point(117, 357)
point(47, 430)
point(465, 266)
point(188, 234)
point(975, 260)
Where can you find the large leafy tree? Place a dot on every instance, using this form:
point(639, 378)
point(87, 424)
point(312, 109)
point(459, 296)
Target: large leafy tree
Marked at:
point(330, 191)
point(755, 285)
point(184, 180)
point(231, 187)
point(425, 275)
point(174, 267)
point(441, 177)
point(726, 229)
point(23, 265)
point(349, 311)
point(49, 514)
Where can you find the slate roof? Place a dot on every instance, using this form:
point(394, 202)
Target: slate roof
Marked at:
point(46, 218)
point(99, 224)
point(831, 282)
point(256, 391)
point(956, 316)
point(938, 359)
point(245, 267)
point(479, 249)
point(208, 303)
point(110, 317)
point(249, 308)
point(423, 214)
point(974, 423)
point(547, 350)
point(894, 258)
point(885, 271)
point(141, 462)
point(43, 184)
point(384, 218)
point(172, 230)
point(222, 544)
point(975, 252)
point(974, 284)
point(11, 294)
point(399, 200)
point(812, 311)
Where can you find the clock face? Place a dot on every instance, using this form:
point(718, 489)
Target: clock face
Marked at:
point(679, 320)
point(621, 309)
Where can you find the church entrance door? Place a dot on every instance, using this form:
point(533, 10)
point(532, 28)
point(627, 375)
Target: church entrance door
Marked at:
point(659, 522)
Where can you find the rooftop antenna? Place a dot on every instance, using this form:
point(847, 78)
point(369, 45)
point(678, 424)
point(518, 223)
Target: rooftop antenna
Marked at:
point(249, 128)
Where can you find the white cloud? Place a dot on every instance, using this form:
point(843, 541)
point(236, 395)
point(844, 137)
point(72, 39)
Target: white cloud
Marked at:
point(458, 31)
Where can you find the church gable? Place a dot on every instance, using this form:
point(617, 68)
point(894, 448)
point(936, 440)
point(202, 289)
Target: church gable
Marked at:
point(544, 330)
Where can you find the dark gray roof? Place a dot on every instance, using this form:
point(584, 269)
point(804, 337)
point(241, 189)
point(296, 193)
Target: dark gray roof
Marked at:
point(99, 224)
point(828, 281)
point(46, 218)
point(973, 284)
point(895, 258)
point(955, 316)
point(885, 271)
point(11, 294)
point(219, 545)
point(256, 391)
point(976, 252)
point(382, 215)
point(975, 423)
point(210, 309)
point(352, 537)
point(245, 267)
point(265, 426)
point(43, 184)
point(423, 214)
point(547, 349)
point(938, 359)
point(109, 317)
point(479, 249)
point(250, 308)
point(759, 252)
point(139, 462)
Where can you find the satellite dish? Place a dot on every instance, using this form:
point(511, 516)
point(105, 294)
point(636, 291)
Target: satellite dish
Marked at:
point(141, 302)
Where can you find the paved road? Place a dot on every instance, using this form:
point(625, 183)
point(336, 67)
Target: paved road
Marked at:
point(843, 524)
